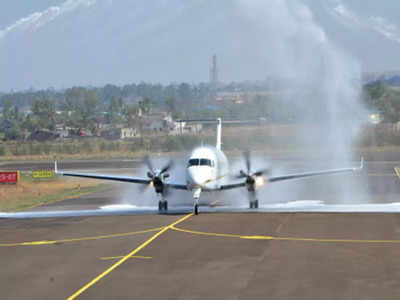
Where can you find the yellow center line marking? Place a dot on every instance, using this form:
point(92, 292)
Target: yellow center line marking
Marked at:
point(277, 238)
point(89, 238)
point(397, 170)
point(121, 256)
point(126, 257)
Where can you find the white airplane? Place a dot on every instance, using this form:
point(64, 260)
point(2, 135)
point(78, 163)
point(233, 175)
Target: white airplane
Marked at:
point(207, 170)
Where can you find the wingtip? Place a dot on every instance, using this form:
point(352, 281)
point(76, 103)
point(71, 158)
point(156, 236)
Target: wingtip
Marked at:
point(361, 165)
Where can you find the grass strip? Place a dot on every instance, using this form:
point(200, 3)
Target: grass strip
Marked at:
point(30, 202)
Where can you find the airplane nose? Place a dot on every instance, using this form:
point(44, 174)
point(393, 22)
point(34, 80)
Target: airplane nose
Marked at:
point(196, 177)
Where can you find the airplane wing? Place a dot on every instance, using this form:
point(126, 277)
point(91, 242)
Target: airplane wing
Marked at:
point(107, 177)
point(309, 174)
point(232, 186)
point(289, 176)
point(317, 173)
point(120, 178)
point(298, 175)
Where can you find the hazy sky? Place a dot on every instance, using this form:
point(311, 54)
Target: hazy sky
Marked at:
point(60, 43)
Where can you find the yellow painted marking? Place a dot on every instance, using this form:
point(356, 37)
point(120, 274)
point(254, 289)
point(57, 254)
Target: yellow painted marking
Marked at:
point(205, 233)
point(89, 238)
point(126, 257)
point(277, 238)
point(121, 256)
point(397, 170)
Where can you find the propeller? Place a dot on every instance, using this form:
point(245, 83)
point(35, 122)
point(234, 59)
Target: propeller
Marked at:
point(248, 174)
point(253, 179)
point(157, 176)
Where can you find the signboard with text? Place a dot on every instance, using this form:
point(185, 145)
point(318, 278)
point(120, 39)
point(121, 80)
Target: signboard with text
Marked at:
point(9, 177)
point(43, 174)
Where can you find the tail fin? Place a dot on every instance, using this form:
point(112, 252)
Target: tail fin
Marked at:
point(219, 129)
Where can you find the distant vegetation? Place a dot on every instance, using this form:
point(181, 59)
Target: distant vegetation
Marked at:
point(384, 99)
point(85, 107)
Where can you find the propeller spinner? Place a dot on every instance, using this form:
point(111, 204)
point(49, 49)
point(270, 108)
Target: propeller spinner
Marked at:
point(158, 176)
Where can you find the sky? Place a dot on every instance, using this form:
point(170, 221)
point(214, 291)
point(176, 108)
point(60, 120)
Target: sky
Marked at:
point(61, 43)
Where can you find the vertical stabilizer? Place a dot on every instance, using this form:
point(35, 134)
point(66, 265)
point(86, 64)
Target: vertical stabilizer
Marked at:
point(219, 128)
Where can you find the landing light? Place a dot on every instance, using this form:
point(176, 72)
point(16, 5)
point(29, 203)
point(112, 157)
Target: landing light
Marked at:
point(260, 181)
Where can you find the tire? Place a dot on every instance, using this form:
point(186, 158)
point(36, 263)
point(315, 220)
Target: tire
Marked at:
point(160, 206)
point(196, 209)
point(166, 205)
point(251, 204)
point(256, 204)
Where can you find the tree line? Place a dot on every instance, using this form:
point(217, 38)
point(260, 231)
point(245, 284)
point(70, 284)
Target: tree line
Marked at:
point(87, 107)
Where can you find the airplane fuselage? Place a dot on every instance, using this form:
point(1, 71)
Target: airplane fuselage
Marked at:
point(207, 168)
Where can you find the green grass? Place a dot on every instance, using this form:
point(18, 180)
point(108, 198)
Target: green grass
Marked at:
point(33, 201)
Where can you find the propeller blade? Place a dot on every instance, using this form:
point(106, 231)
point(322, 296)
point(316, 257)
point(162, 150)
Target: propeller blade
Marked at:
point(261, 172)
point(246, 155)
point(241, 175)
point(167, 167)
point(143, 187)
point(148, 163)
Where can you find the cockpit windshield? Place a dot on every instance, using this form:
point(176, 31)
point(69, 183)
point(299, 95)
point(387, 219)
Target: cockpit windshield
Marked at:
point(193, 162)
point(200, 162)
point(205, 162)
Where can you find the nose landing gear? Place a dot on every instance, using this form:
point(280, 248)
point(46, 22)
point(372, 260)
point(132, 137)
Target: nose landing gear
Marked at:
point(196, 197)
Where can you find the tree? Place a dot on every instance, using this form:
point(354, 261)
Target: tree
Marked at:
point(7, 108)
point(115, 110)
point(145, 105)
point(172, 107)
point(14, 133)
point(44, 113)
point(130, 114)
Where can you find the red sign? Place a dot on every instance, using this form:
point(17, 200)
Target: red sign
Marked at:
point(9, 177)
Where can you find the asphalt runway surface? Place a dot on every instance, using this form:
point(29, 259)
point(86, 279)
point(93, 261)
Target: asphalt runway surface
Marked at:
point(211, 256)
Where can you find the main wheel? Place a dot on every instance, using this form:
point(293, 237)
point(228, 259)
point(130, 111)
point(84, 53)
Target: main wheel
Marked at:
point(160, 206)
point(256, 204)
point(165, 205)
point(196, 209)
point(251, 204)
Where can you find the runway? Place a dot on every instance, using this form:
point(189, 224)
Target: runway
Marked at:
point(277, 255)
point(214, 256)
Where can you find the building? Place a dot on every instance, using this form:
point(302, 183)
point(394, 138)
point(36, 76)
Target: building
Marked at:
point(120, 133)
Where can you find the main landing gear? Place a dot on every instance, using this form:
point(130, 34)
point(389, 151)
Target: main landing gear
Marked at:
point(254, 204)
point(162, 206)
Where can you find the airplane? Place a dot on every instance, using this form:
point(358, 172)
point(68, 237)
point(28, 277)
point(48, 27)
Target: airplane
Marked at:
point(207, 170)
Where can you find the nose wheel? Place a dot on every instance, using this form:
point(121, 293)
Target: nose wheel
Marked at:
point(196, 209)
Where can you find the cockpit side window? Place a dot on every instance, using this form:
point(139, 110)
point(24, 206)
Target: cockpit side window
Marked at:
point(193, 162)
